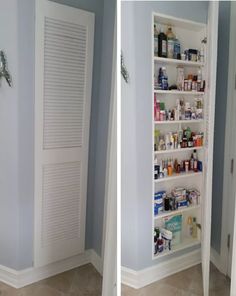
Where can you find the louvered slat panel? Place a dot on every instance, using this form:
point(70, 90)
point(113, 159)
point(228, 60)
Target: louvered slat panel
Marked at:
point(65, 46)
point(61, 202)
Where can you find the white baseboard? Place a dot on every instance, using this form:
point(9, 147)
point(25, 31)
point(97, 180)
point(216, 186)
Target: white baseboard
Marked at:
point(144, 277)
point(19, 279)
point(97, 261)
point(216, 260)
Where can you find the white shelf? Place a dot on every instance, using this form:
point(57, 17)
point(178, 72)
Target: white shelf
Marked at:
point(178, 150)
point(186, 243)
point(179, 121)
point(173, 213)
point(178, 62)
point(178, 176)
point(168, 20)
point(178, 92)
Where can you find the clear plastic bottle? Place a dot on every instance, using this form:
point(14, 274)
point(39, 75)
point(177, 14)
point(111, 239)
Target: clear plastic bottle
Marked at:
point(194, 233)
point(170, 43)
point(177, 52)
point(190, 226)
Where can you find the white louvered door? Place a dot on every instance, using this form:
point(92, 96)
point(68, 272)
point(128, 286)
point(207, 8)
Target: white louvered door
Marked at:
point(63, 80)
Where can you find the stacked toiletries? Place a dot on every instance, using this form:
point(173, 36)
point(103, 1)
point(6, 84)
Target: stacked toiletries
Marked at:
point(167, 45)
point(178, 198)
point(183, 138)
point(170, 233)
point(184, 82)
point(182, 111)
point(167, 167)
point(191, 82)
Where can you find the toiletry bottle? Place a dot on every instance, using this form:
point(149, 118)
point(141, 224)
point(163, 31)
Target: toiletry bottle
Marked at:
point(155, 107)
point(162, 44)
point(194, 234)
point(160, 244)
point(190, 226)
point(186, 166)
point(177, 53)
point(155, 40)
point(164, 80)
point(199, 74)
point(199, 80)
point(170, 43)
point(158, 110)
point(202, 51)
point(195, 164)
point(191, 163)
point(155, 169)
point(160, 75)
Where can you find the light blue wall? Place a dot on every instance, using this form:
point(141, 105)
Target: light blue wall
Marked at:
point(9, 210)
point(137, 124)
point(220, 117)
point(25, 58)
point(102, 125)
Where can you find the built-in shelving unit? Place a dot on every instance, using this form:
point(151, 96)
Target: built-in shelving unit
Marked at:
point(178, 62)
point(178, 92)
point(178, 150)
point(179, 121)
point(179, 211)
point(178, 176)
point(190, 35)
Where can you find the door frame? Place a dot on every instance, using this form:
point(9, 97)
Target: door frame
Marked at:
point(229, 152)
point(109, 244)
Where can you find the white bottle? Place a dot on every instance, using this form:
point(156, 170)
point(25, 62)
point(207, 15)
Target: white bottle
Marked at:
point(199, 74)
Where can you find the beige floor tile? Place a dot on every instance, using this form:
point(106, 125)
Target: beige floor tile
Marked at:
point(185, 283)
point(5, 290)
point(61, 282)
point(38, 290)
point(128, 291)
point(87, 281)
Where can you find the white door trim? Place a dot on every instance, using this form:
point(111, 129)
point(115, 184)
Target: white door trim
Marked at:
point(228, 153)
point(231, 122)
point(212, 38)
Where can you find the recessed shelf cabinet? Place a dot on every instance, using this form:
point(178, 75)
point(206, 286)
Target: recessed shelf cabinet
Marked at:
point(190, 34)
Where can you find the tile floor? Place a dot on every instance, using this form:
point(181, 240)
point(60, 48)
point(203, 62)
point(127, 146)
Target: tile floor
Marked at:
point(185, 283)
point(82, 281)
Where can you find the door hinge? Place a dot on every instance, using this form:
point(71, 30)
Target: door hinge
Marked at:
point(232, 166)
point(228, 241)
point(235, 82)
